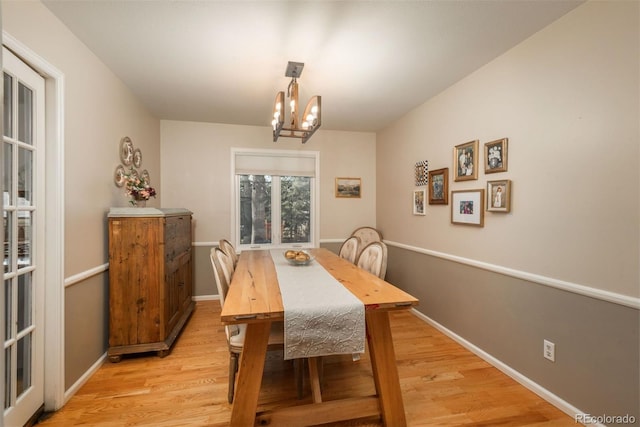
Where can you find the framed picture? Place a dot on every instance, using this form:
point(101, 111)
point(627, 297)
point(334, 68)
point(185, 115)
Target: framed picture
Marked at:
point(419, 197)
point(499, 195)
point(421, 173)
point(439, 187)
point(465, 161)
point(348, 187)
point(495, 156)
point(467, 207)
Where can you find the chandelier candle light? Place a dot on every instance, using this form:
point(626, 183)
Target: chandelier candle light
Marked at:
point(312, 117)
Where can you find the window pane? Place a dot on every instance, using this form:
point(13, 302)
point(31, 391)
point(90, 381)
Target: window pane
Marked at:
point(24, 364)
point(8, 103)
point(25, 177)
point(24, 301)
point(25, 235)
point(295, 206)
point(255, 209)
point(25, 114)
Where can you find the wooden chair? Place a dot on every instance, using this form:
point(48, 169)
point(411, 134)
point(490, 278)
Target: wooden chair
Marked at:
point(229, 249)
point(366, 235)
point(349, 249)
point(236, 333)
point(373, 258)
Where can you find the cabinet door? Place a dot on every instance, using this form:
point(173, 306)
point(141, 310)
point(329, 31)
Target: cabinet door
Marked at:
point(134, 273)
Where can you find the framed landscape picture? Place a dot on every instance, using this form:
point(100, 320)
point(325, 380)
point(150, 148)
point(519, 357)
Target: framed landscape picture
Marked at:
point(348, 187)
point(419, 197)
point(439, 186)
point(467, 207)
point(465, 161)
point(495, 156)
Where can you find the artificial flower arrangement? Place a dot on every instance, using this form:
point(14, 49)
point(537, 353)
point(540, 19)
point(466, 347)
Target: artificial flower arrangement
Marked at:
point(137, 187)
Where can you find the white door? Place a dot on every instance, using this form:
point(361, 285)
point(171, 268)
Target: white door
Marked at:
point(23, 215)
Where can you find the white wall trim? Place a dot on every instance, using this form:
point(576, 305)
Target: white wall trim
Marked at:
point(206, 298)
point(545, 394)
point(77, 278)
point(600, 294)
point(54, 220)
point(84, 378)
point(205, 244)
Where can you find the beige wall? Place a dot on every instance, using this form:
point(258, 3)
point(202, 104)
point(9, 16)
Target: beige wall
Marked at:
point(98, 111)
point(567, 99)
point(196, 174)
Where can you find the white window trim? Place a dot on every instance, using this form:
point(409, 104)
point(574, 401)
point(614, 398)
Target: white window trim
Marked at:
point(315, 194)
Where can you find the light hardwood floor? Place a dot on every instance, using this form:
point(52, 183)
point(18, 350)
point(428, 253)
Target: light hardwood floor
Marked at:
point(443, 384)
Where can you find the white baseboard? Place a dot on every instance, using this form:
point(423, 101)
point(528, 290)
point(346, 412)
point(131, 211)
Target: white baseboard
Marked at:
point(84, 378)
point(556, 401)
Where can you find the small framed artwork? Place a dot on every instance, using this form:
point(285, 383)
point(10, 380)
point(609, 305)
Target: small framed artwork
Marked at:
point(439, 186)
point(495, 156)
point(348, 188)
point(499, 195)
point(419, 197)
point(421, 173)
point(467, 207)
point(465, 161)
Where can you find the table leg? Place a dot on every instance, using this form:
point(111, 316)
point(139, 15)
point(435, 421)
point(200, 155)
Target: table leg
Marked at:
point(250, 372)
point(385, 372)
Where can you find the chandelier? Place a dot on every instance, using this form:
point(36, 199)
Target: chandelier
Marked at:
point(311, 118)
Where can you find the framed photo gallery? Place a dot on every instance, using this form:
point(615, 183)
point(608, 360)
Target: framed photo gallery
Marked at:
point(467, 205)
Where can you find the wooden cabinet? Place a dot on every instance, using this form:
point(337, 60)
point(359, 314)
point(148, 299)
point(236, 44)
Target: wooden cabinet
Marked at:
point(150, 279)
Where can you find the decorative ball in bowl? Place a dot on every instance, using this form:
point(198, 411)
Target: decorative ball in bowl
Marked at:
point(298, 257)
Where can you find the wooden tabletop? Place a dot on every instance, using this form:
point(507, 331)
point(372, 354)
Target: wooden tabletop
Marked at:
point(254, 294)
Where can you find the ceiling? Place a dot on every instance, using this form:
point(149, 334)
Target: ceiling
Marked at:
point(371, 61)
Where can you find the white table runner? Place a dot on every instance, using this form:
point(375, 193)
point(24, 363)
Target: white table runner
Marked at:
point(321, 317)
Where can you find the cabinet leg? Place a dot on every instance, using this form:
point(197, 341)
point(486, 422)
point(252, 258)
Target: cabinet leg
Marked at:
point(115, 358)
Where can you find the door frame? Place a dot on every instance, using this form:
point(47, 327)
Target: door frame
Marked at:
point(54, 343)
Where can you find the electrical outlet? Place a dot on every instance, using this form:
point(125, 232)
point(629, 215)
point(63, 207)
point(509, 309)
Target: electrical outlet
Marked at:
point(549, 350)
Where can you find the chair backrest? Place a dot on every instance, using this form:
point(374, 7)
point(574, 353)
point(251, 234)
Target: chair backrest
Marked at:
point(228, 249)
point(222, 278)
point(373, 258)
point(349, 249)
point(366, 235)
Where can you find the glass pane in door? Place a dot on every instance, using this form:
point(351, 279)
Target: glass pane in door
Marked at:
point(25, 114)
point(24, 301)
point(23, 378)
point(8, 102)
point(25, 177)
point(8, 382)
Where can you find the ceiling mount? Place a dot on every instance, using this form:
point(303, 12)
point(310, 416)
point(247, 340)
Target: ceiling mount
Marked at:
point(311, 118)
point(294, 69)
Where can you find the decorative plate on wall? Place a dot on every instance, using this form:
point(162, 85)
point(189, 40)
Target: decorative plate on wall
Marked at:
point(118, 176)
point(144, 175)
point(126, 151)
point(137, 157)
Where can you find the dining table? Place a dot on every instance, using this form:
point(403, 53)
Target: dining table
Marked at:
point(254, 298)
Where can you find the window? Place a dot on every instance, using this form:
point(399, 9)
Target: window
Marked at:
point(275, 198)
